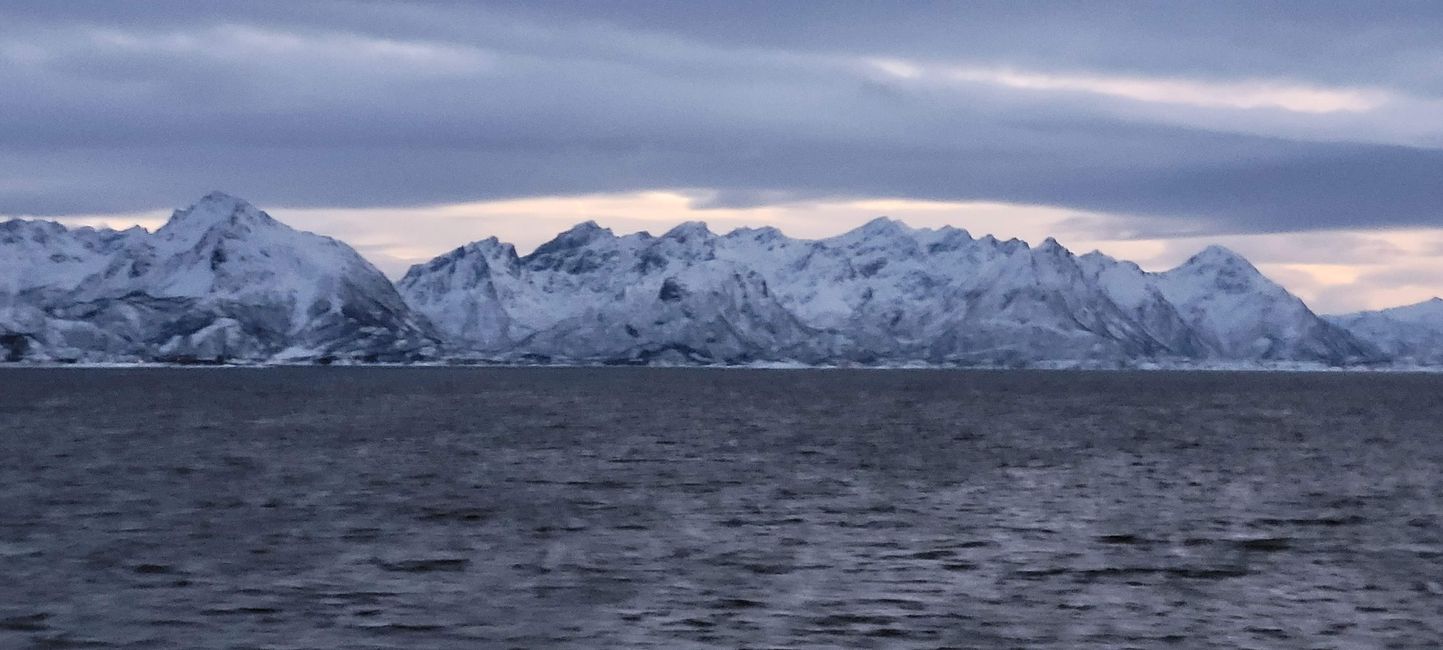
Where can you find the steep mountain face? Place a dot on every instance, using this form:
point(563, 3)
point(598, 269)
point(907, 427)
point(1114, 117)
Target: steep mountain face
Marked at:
point(590, 296)
point(893, 294)
point(1137, 295)
point(220, 281)
point(42, 263)
point(464, 292)
point(1243, 315)
point(224, 281)
point(883, 293)
point(1216, 305)
point(1409, 335)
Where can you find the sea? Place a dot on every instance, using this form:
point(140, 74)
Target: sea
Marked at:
point(356, 507)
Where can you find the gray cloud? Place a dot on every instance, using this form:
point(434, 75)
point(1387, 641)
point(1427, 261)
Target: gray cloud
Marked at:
point(1327, 41)
point(115, 107)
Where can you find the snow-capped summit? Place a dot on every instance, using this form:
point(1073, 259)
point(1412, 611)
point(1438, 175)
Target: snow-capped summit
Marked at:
point(689, 231)
point(463, 291)
point(1217, 305)
point(579, 235)
point(1241, 314)
point(1050, 246)
point(764, 233)
point(214, 210)
point(879, 232)
point(1217, 254)
point(1214, 270)
point(879, 227)
point(880, 293)
point(222, 280)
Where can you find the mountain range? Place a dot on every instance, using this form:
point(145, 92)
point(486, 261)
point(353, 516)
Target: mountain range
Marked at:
point(222, 281)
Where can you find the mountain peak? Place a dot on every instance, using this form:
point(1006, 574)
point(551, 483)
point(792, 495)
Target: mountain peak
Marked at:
point(763, 233)
point(579, 235)
point(480, 253)
point(488, 247)
point(1051, 246)
point(879, 228)
point(1219, 259)
point(1218, 269)
point(883, 226)
point(217, 196)
point(269, 291)
point(588, 228)
point(689, 230)
point(589, 224)
point(214, 209)
point(1432, 308)
point(222, 203)
point(1216, 254)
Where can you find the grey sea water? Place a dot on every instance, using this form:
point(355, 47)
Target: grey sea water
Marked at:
point(634, 508)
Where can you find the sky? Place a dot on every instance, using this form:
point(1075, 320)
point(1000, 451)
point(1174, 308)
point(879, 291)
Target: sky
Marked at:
point(1308, 136)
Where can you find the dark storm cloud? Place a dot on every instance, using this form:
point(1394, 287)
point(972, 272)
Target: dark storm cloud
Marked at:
point(112, 106)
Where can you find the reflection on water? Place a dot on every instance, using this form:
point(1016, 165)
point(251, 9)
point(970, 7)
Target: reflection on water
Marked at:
point(476, 508)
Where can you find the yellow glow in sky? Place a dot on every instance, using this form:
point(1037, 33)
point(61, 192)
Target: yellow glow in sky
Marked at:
point(1334, 271)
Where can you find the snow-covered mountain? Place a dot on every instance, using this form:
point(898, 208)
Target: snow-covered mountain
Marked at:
point(1412, 334)
point(883, 293)
point(220, 280)
point(225, 281)
point(590, 296)
point(1219, 306)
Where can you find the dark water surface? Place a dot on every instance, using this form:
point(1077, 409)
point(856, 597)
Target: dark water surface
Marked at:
point(610, 508)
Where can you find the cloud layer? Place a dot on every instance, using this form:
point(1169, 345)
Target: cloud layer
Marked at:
point(1200, 119)
point(129, 107)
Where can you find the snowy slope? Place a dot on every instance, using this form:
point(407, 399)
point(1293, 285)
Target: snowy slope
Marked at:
point(221, 280)
point(464, 291)
point(42, 263)
point(883, 293)
point(1218, 306)
point(589, 295)
point(44, 255)
point(1244, 315)
point(1412, 334)
point(897, 294)
point(225, 281)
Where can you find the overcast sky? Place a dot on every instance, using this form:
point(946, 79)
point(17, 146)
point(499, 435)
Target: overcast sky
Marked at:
point(1308, 136)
